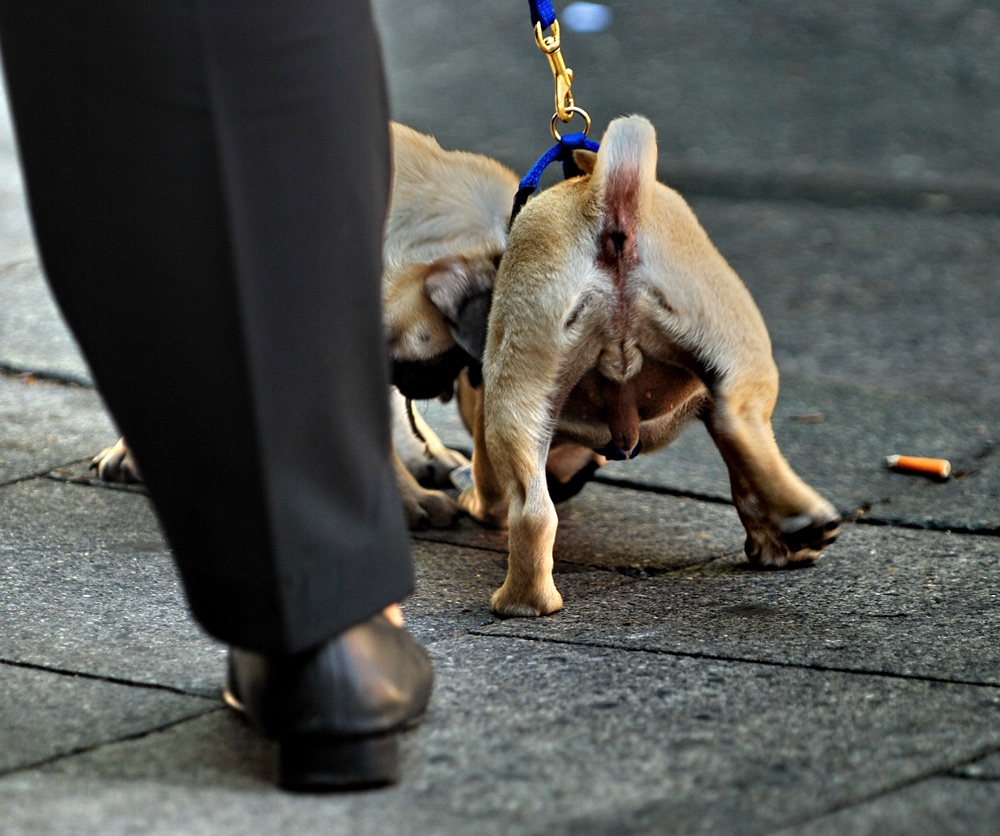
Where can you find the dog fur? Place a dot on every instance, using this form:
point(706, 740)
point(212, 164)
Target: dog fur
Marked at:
point(614, 322)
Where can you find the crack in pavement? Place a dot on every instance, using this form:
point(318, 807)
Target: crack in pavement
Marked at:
point(717, 657)
point(83, 750)
point(114, 680)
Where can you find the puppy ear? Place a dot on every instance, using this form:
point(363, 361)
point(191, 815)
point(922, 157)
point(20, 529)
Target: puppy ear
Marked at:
point(585, 159)
point(463, 293)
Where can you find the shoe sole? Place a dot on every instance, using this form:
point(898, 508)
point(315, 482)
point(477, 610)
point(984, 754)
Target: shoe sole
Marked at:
point(312, 764)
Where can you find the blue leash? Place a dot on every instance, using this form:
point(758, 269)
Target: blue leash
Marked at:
point(543, 16)
point(561, 151)
point(542, 12)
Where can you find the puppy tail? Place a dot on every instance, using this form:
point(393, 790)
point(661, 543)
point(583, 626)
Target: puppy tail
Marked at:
point(624, 174)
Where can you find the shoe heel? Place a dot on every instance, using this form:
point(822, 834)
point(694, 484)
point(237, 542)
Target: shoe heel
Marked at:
point(310, 764)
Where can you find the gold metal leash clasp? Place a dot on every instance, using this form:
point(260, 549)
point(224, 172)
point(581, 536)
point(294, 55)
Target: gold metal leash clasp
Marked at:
point(551, 46)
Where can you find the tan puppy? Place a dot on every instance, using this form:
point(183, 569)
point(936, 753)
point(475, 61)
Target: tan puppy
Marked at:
point(445, 231)
point(444, 235)
point(614, 322)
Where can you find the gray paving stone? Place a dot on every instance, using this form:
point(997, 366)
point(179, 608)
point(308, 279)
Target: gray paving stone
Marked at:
point(897, 601)
point(529, 738)
point(53, 714)
point(452, 590)
point(454, 585)
point(33, 334)
point(885, 299)
point(211, 775)
point(47, 424)
point(938, 807)
point(751, 91)
point(628, 530)
point(87, 585)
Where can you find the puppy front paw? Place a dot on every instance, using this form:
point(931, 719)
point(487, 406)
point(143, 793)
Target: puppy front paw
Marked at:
point(434, 470)
point(429, 509)
point(116, 464)
point(508, 602)
point(794, 541)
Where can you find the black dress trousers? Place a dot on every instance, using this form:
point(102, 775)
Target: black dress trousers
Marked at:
point(207, 181)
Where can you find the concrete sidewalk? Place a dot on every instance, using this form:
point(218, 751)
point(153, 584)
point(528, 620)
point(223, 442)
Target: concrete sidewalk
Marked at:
point(843, 159)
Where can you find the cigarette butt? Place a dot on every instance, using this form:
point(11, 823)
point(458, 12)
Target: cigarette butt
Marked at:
point(939, 468)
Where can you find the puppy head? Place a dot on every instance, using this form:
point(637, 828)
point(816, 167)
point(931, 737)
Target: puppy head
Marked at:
point(445, 232)
point(438, 306)
point(436, 322)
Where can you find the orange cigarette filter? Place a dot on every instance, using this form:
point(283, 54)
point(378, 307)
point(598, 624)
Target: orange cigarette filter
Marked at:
point(939, 468)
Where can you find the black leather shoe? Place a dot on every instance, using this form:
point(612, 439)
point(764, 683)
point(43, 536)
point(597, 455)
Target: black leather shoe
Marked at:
point(337, 710)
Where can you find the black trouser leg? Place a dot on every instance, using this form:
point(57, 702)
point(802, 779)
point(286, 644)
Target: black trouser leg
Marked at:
point(207, 182)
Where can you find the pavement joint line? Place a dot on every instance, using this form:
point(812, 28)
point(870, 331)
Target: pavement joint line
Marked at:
point(114, 680)
point(982, 779)
point(10, 266)
point(715, 657)
point(423, 538)
point(849, 516)
point(46, 375)
point(942, 772)
point(51, 473)
point(83, 750)
point(42, 474)
point(853, 517)
point(92, 481)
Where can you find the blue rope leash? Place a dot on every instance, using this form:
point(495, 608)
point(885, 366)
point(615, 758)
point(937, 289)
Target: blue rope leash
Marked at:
point(561, 151)
point(542, 12)
point(543, 17)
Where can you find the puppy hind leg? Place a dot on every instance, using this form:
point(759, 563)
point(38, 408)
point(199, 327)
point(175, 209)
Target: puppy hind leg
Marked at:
point(519, 438)
point(485, 501)
point(787, 522)
point(528, 589)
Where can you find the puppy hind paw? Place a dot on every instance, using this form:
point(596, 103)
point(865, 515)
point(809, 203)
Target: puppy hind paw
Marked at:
point(813, 532)
point(481, 511)
point(795, 542)
point(510, 604)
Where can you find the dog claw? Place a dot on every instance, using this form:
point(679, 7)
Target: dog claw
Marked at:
point(795, 542)
point(806, 532)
